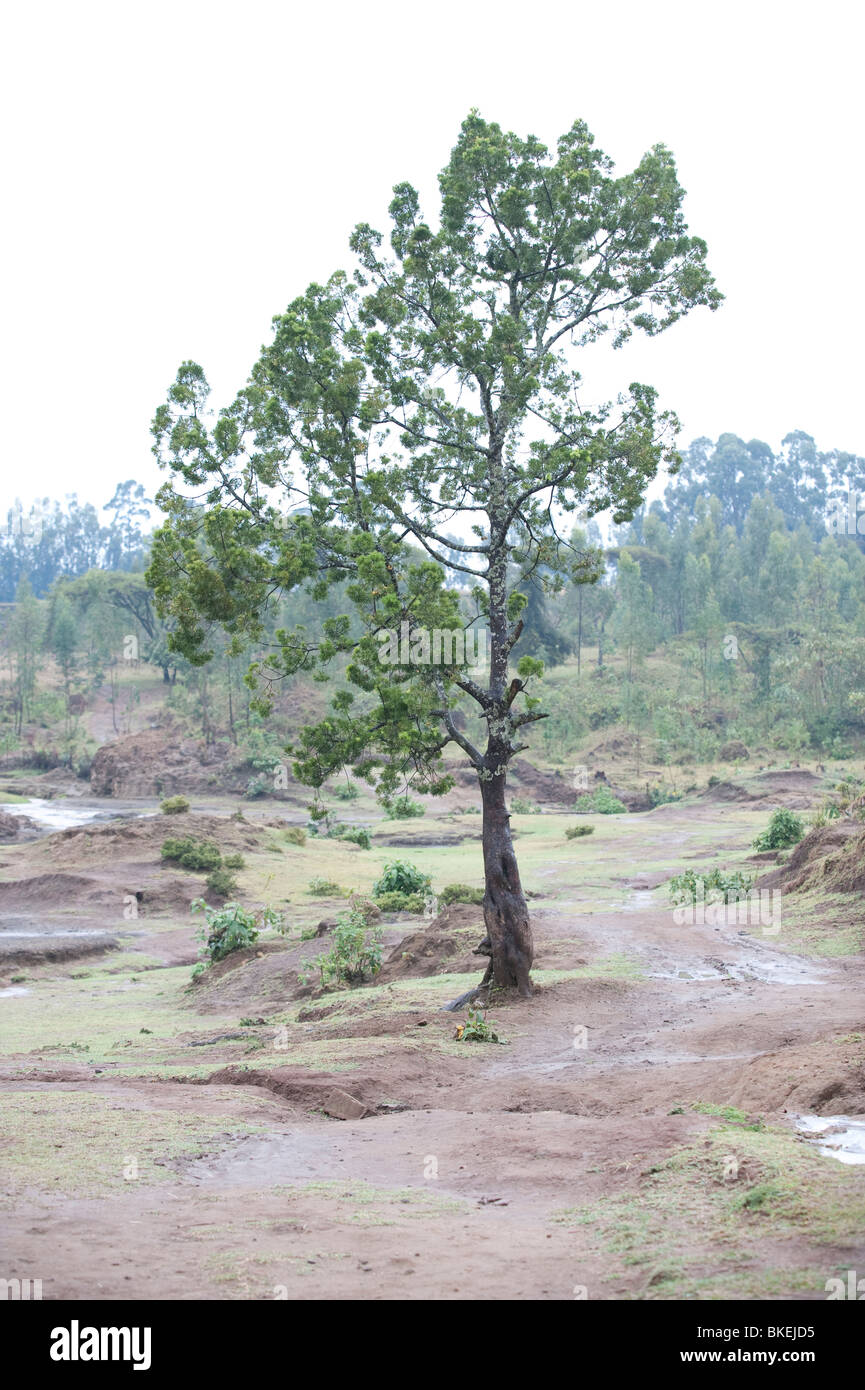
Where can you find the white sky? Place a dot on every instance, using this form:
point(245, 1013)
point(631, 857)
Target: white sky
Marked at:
point(176, 172)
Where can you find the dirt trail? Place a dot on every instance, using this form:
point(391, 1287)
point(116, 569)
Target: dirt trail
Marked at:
point(535, 1169)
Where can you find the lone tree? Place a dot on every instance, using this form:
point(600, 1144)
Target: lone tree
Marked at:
point(420, 417)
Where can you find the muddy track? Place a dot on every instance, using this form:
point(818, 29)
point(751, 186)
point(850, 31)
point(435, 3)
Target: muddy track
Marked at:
point(462, 1180)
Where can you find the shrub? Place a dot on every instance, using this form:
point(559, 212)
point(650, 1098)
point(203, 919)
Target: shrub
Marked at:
point(346, 791)
point(460, 893)
point(403, 808)
point(354, 834)
point(716, 885)
point(233, 861)
point(295, 835)
point(258, 786)
point(785, 828)
point(221, 882)
point(358, 837)
point(324, 888)
point(399, 876)
point(355, 955)
point(190, 853)
point(228, 929)
point(174, 805)
point(521, 807)
point(599, 802)
point(662, 796)
point(401, 902)
point(476, 1029)
point(574, 832)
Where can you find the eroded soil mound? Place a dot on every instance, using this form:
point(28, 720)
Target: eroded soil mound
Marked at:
point(444, 945)
point(161, 762)
point(831, 857)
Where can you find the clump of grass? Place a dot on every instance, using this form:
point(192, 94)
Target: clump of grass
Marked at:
point(174, 805)
point(576, 832)
point(324, 888)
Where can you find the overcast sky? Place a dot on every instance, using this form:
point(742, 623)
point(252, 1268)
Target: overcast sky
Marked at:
point(176, 172)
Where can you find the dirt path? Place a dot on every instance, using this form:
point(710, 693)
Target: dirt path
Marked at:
point(632, 1139)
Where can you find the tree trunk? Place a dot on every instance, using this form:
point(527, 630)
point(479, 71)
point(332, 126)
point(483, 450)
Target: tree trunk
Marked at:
point(506, 915)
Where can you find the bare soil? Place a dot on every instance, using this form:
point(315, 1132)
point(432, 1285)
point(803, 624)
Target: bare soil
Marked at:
point(632, 1136)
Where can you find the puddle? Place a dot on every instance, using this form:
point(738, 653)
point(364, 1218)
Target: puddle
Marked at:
point(68, 815)
point(49, 934)
point(13, 991)
point(756, 968)
point(837, 1136)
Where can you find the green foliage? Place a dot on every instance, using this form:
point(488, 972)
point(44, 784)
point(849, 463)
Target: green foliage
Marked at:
point(229, 928)
point(358, 836)
point(174, 806)
point(233, 861)
point(355, 954)
point(716, 886)
point(601, 801)
point(295, 835)
point(400, 902)
point(663, 796)
point(785, 828)
point(346, 791)
point(520, 806)
point(575, 832)
point(476, 1029)
point(399, 876)
point(189, 853)
point(221, 883)
point(324, 888)
point(460, 893)
point(404, 808)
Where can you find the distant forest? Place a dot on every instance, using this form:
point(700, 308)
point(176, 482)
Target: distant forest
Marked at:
point(728, 609)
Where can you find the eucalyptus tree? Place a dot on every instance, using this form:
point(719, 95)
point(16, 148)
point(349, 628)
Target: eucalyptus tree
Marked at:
point(420, 414)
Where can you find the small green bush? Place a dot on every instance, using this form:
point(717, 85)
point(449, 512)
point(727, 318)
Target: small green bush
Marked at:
point(295, 835)
point(189, 853)
point(574, 832)
point(716, 885)
point(346, 791)
point(229, 928)
point(476, 1029)
point(399, 876)
point(174, 805)
point(785, 828)
point(460, 893)
point(355, 954)
point(358, 837)
point(221, 882)
point(521, 807)
point(233, 861)
point(401, 902)
point(324, 888)
point(403, 808)
point(599, 802)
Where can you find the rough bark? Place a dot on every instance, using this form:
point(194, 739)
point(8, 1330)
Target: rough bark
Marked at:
point(506, 914)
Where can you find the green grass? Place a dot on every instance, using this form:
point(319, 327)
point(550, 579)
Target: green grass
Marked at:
point(688, 1203)
point(80, 1144)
